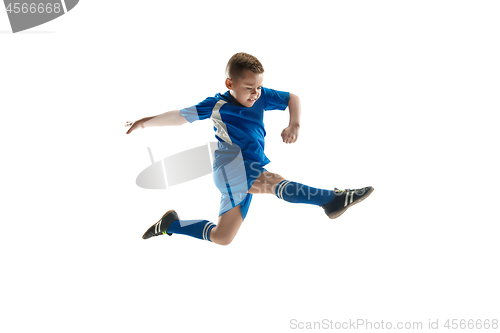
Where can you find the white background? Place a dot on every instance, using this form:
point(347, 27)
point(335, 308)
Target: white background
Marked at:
point(399, 95)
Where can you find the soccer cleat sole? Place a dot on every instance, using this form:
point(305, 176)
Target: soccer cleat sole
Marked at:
point(170, 211)
point(336, 214)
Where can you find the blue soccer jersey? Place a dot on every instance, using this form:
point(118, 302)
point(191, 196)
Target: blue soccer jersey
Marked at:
point(240, 157)
point(237, 124)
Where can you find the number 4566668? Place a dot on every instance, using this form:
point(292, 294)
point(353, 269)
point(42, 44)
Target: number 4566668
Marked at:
point(34, 8)
point(471, 324)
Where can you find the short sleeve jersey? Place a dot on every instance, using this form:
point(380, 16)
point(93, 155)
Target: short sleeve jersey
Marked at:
point(237, 126)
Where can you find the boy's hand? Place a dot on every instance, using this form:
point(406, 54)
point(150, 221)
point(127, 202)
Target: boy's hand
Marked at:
point(134, 125)
point(290, 134)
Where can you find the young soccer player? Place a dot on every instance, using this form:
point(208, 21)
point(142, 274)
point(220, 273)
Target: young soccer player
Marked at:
point(238, 168)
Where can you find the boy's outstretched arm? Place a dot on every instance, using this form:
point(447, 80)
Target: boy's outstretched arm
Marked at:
point(170, 118)
point(291, 133)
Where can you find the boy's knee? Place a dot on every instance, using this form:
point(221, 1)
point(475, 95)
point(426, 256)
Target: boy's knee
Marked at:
point(225, 240)
point(266, 183)
point(221, 237)
point(273, 178)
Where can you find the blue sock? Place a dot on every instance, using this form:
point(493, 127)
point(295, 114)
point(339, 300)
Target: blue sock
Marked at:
point(299, 193)
point(194, 228)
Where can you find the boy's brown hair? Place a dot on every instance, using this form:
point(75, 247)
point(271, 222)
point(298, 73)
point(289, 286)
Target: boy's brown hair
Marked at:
point(239, 63)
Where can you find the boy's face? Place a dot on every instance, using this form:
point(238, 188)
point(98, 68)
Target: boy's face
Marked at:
point(246, 90)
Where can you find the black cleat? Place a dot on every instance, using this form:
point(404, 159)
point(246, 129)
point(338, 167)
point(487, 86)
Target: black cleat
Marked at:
point(344, 199)
point(161, 227)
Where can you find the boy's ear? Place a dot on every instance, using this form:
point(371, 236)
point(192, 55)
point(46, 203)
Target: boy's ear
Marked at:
point(229, 84)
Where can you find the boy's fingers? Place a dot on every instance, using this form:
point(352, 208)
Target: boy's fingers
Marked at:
point(288, 138)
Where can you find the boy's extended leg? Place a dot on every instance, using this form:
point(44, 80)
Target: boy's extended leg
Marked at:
point(223, 233)
point(335, 202)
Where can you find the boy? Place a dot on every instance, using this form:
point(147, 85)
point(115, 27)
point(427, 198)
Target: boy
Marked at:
point(238, 167)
